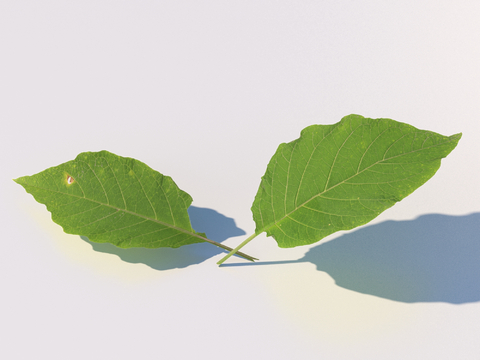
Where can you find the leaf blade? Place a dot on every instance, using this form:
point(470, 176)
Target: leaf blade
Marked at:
point(340, 176)
point(114, 199)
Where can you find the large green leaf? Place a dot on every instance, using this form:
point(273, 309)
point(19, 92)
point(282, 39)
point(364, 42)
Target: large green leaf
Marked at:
point(114, 199)
point(337, 177)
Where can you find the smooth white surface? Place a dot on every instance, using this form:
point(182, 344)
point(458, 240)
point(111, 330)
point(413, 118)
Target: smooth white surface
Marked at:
point(205, 92)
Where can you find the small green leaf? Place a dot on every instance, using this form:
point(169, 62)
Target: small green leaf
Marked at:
point(118, 200)
point(337, 177)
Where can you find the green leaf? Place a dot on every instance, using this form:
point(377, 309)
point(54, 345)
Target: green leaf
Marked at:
point(337, 177)
point(118, 200)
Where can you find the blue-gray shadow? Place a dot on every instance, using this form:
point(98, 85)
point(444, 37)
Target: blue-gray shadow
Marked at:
point(216, 226)
point(434, 258)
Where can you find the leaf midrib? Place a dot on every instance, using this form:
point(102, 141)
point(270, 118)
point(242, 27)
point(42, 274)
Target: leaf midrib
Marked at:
point(265, 228)
point(126, 211)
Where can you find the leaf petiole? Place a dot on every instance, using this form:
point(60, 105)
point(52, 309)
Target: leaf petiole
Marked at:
point(245, 242)
point(232, 251)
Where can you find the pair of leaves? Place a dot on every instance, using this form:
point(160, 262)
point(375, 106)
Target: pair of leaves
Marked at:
point(334, 177)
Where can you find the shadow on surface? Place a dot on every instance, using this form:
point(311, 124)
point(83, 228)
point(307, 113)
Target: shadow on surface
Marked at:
point(216, 226)
point(434, 258)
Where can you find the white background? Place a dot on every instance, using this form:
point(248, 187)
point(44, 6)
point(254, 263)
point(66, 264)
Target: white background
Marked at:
point(205, 91)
